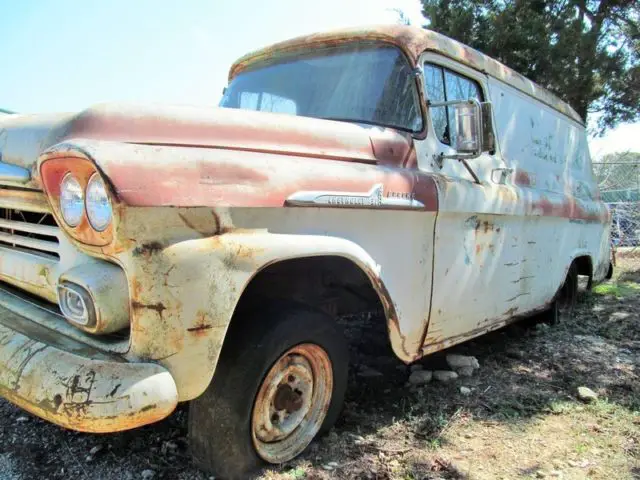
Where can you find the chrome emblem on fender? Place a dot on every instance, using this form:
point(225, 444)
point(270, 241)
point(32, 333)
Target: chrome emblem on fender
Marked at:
point(374, 198)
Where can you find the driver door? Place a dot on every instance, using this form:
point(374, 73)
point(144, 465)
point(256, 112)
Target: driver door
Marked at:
point(478, 272)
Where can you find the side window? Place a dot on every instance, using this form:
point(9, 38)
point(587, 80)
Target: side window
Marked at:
point(443, 85)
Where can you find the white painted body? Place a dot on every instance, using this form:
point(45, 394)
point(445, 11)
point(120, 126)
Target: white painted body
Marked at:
point(205, 200)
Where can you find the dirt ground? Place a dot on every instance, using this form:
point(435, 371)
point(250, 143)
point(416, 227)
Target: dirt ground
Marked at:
point(521, 418)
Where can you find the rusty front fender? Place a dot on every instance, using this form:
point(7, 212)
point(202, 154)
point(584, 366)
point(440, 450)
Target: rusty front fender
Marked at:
point(184, 295)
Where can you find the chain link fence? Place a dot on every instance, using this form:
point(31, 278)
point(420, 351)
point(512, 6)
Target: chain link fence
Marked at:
point(619, 183)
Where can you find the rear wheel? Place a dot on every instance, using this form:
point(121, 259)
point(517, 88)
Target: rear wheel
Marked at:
point(565, 301)
point(279, 382)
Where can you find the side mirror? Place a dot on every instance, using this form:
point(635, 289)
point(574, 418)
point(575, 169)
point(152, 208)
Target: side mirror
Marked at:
point(468, 127)
point(473, 127)
point(474, 132)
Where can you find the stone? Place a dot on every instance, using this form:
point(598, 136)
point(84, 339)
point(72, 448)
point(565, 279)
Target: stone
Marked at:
point(466, 391)
point(147, 474)
point(95, 450)
point(466, 371)
point(587, 395)
point(445, 375)
point(415, 367)
point(357, 439)
point(420, 377)
point(461, 361)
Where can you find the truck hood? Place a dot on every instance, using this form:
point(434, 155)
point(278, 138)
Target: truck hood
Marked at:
point(24, 137)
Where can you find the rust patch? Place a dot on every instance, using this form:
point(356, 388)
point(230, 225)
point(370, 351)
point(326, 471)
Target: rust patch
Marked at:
point(156, 307)
point(202, 229)
point(202, 325)
point(522, 178)
point(136, 287)
point(199, 328)
point(148, 249)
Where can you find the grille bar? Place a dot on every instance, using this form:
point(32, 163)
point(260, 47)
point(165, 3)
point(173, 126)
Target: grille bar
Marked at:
point(41, 245)
point(32, 231)
point(29, 227)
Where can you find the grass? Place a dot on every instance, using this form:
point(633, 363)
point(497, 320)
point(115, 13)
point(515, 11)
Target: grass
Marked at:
point(617, 289)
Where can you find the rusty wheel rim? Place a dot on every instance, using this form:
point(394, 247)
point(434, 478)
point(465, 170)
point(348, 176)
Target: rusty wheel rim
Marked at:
point(292, 403)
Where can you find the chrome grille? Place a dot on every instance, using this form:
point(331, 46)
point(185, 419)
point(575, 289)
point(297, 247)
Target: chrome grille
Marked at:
point(34, 232)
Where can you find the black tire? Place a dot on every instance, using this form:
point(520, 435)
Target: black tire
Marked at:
point(565, 302)
point(220, 420)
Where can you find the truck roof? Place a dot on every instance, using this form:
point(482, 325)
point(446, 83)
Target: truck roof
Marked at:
point(413, 41)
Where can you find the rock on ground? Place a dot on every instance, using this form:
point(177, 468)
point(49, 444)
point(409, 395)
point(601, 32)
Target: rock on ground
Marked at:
point(587, 395)
point(465, 371)
point(462, 361)
point(445, 375)
point(466, 391)
point(420, 377)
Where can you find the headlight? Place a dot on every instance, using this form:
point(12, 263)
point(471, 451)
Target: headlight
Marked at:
point(71, 200)
point(99, 209)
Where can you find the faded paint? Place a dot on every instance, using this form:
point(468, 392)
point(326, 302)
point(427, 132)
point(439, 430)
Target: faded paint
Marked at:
point(79, 388)
point(413, 41)
point(206, 199)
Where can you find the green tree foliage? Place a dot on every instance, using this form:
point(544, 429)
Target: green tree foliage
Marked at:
point(585, 51)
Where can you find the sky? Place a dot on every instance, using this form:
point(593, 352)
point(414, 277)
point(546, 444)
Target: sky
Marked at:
point(66, 55)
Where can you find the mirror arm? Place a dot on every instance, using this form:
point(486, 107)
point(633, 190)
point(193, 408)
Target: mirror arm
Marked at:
point(463, 159)
point(471, 172)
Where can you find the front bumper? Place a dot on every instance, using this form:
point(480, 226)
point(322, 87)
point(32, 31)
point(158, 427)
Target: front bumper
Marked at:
point(75, 385)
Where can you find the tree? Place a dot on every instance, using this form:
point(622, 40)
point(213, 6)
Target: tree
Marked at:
point(585, 51)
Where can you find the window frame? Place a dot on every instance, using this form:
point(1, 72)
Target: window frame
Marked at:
point(454, 67)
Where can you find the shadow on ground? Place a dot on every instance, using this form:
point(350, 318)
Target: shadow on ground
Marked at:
point(528, 370)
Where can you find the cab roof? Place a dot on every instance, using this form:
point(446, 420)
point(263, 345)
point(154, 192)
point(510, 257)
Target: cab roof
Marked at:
point(413, 41)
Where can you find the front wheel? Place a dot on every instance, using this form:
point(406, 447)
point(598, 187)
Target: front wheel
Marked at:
point(279, 382)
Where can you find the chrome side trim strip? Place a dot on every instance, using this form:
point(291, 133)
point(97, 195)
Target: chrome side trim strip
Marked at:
point(374, 198)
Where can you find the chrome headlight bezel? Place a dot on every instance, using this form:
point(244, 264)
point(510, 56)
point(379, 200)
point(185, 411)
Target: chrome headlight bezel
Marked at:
point(71, 191)
point(98, 204)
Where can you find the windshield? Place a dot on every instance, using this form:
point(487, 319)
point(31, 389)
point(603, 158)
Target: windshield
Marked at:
point(372, 85)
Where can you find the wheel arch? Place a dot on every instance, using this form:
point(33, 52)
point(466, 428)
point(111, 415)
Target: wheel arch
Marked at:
point(306, 278)
point(584, 266)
